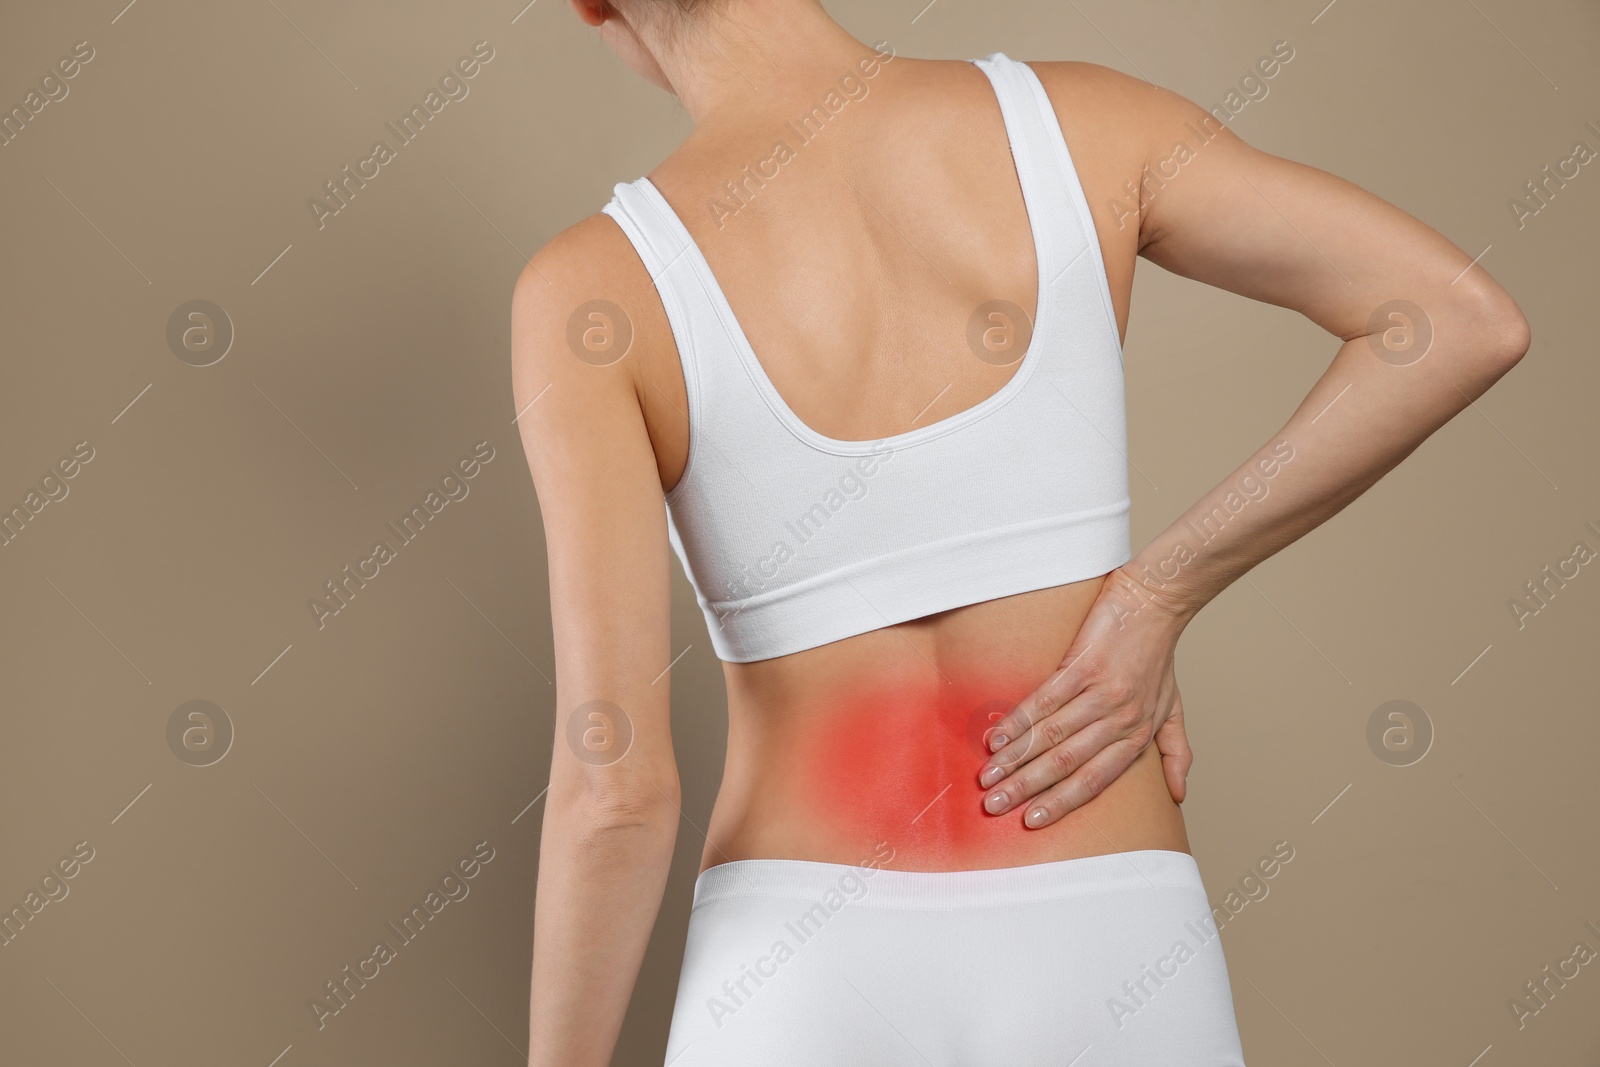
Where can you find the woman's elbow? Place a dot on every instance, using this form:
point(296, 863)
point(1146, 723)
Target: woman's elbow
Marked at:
point(1515, 336)
point(1499, 327)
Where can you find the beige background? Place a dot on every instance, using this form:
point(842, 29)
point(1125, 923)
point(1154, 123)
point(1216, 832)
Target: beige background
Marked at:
point(371, 354)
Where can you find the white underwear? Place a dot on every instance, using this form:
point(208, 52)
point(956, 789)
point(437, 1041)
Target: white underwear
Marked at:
point(1104, 961)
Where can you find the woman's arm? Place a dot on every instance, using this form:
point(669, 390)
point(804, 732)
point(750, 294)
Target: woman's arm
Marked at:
point(611, 812)
point(1424, 332)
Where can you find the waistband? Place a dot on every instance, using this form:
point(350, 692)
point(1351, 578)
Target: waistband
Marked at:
point(810, 880)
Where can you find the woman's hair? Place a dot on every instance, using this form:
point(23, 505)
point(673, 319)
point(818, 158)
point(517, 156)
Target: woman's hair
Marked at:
point(679, 7)
point(685, 8)
point(673, 16)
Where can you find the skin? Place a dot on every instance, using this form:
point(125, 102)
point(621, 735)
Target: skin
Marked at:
point(883, 738)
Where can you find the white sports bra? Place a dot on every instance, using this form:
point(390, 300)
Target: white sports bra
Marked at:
point(792, 539)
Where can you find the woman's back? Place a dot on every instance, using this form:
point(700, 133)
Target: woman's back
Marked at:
point(884, 269)
point(824, 303)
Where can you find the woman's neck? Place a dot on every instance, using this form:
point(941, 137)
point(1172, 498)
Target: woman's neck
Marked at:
point(754, 57)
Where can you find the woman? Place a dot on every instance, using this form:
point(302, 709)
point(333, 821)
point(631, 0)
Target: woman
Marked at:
point(948, 827)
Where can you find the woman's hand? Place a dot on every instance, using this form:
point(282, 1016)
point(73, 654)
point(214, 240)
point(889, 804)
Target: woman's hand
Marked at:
point(1115, 693)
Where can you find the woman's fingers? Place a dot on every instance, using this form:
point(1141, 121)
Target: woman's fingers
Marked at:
point(1083, 785)
point(1049, 763)
point(1038, 705)
point(1040, 721)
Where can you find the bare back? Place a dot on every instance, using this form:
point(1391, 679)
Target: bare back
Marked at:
point(855, 272)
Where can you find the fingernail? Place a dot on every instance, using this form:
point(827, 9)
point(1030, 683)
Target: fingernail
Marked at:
point(990, 776)
point(995, 803)
point(1037, 816)
point(997, 742)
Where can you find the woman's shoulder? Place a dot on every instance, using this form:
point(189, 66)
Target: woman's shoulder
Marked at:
point(1105, 105)
point(591, 256)
point(585, 296)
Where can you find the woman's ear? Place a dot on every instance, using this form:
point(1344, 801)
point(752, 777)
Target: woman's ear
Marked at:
point(593, 12)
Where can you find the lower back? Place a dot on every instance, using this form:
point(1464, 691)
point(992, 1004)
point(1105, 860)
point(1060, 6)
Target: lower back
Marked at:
point(867, 750)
